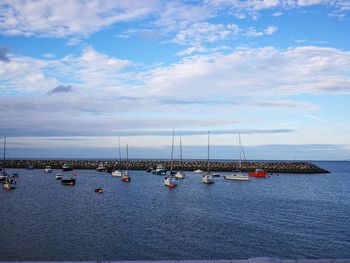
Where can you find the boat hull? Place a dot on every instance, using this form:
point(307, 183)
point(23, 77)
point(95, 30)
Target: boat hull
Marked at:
point(68, 181)
point(259, 174)
point(237, 177)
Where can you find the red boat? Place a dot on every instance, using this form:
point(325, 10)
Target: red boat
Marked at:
point(258, 173)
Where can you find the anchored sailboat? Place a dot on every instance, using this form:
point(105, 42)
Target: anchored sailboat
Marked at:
point(118, 173)
point(125, 176)
point(170, 181)
point(208, 178)
point(238, 176)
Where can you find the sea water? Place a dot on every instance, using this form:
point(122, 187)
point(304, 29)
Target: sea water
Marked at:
point(295, 216)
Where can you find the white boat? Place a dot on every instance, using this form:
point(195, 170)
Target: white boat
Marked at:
point(238, 176)
point(170, 181)
point(125, 176)
point(48, 169)
point(59, 176)
point(101, 168)
point(208, 178)
point(118, 173)
point(180, 175)
point(160, 170)
point(198, 171)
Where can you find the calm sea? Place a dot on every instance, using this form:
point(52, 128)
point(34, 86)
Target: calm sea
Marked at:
point(284, 216)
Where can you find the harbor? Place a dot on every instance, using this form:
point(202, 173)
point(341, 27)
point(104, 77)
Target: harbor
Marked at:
point(293, 167)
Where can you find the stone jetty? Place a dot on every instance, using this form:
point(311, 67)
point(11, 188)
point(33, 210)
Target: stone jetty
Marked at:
point(220, 166)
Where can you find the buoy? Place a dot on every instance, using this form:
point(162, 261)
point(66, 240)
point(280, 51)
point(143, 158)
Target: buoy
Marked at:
point(74, 174)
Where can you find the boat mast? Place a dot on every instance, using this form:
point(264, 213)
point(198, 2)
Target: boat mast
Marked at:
point(241, 145)
point(208, 154)
point(172, 153)
point(180, 154)
point(127, 158)
point(4, 156)
point(240, 152)
point(120, 156)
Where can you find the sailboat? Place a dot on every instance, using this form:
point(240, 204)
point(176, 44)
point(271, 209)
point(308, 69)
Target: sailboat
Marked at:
point(125, 175)
point(118, 173)
point(179, 174)
point(170, 181)
point(238, 176)
point(208, 178)
point(5, 178)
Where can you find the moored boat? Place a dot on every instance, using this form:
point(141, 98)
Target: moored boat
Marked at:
point(125, 175)
point(208, 178)
point(9, 186)
point(101, 168)
point(180, 175)
point(99, 190)
point(258, 173)
point(48, 169)
point(70, 181)
point(66, 167)
point(170, 181)
point(160, 170)
point(59, 176)
point(198, 171)
point(238, 176)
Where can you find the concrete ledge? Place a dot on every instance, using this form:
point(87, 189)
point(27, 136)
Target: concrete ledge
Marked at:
point(250, 260)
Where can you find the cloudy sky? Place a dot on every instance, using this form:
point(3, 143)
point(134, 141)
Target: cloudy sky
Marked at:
point(75, 75)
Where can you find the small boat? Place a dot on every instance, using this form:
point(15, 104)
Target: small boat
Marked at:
point(160, 170)
point(258, 173)
point(99, 190)
point(48, 169)
point(208, 178)
point(9, 186)
point(117, 173)
point(101, 168)
point(30, 167)
point(238, 176)
point(170, 181)
point(215, 174)
point(70, 181)
point(125, 175)
point(66, 167)
point(59, 176)
point(198, 171)
point(180, 175)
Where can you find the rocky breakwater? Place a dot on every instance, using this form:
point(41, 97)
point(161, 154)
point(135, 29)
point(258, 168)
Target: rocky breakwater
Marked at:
point(270, 167)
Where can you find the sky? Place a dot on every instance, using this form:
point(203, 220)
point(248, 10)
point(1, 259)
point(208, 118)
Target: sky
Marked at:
point(76, 75)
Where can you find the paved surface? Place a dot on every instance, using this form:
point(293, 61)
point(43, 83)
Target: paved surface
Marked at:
point(250, 260)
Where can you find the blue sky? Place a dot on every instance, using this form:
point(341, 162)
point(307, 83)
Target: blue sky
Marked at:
point(75, 75)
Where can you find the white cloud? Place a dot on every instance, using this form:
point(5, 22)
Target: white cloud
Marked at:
point(267, 31)
point(202, 86)
point(256, 72)
point(205, 32)
point(60, 18)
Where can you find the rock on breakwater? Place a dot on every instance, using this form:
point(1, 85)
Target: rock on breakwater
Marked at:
point(270, 167)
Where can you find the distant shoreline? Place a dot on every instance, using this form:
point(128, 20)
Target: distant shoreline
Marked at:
point(295, 167)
